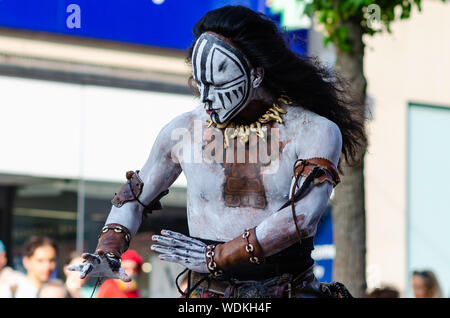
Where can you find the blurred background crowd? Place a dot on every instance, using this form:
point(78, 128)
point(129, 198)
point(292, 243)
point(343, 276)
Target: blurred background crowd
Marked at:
point(76, 76)
point(40, 279)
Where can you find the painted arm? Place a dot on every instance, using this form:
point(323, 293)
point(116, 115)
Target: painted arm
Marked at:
point(122, 224)
point(158, 174)
point(276, 232)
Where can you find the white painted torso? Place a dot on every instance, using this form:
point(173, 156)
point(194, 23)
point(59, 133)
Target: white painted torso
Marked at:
point(208, 215)
point(304, 134)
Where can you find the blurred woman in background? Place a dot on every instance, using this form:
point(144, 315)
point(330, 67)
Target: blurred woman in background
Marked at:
point(425, 285)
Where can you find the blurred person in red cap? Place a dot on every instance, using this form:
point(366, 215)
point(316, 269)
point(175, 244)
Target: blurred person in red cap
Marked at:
point(116, 288)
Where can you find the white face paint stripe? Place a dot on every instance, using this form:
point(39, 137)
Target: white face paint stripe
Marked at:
point(198, 50)
point(208, 59)
point(205, 52)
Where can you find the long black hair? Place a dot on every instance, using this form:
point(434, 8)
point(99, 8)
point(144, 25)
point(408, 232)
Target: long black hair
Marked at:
point(303, 78)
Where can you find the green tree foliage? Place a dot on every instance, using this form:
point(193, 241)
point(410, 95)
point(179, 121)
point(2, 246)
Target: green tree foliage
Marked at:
point(373, 16)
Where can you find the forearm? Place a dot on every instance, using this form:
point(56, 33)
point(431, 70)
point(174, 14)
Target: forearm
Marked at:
point(136, 198)
point(129, 216)
point(156, 176)
point(129, 213)
point(278, 231)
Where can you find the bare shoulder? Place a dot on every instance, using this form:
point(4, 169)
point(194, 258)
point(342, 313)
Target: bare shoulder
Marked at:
point(314, 135)
point(183, 121)
point(170, 133)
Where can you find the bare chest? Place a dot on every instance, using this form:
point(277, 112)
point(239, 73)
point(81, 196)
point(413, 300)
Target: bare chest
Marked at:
point(239, 182)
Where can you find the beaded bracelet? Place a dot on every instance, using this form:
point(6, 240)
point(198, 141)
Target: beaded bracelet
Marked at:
point(249, 248)
point(116, 229)
point(212, 266)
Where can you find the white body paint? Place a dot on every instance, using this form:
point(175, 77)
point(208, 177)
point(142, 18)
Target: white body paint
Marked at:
point(305, 135)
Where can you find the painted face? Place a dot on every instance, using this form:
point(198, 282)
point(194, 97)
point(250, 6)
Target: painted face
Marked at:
point(223, 76)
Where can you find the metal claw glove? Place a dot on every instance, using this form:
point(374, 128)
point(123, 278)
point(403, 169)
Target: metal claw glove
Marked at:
point(178, 248)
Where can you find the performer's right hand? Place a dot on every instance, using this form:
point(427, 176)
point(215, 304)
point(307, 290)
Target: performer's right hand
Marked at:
point(100, 265)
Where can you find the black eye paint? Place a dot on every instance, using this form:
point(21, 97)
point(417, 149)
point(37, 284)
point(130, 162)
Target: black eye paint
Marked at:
point(223, 66)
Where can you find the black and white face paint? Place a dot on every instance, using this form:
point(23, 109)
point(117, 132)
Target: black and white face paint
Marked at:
point(224, 77)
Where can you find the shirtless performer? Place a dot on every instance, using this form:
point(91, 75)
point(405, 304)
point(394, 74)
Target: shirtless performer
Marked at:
point(272, 130)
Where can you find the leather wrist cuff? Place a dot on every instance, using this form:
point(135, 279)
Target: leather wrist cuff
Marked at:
point(244, 249)
point(328, 171)
point(131, 191)
point(114, 239)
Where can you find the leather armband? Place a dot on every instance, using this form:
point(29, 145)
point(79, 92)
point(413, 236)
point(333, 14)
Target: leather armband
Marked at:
point(244, 249)
point(327, 170)
point(131, 191)
point(113, 241)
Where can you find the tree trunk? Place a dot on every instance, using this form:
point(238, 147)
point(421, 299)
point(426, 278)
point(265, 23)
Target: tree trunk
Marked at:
point(348, 203)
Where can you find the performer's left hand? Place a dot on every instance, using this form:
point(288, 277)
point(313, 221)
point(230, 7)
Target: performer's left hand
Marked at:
point(178, 248)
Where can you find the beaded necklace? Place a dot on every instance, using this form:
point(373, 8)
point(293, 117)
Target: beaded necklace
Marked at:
point(232, 130)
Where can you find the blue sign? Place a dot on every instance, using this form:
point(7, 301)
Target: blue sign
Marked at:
point(324, 249)
point(159, 23)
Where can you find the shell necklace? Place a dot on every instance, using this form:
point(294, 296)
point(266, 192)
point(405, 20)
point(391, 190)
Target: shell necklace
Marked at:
point(232, 130)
